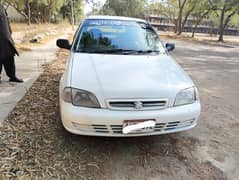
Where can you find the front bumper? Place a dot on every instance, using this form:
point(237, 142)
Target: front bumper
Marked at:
point(105, 122)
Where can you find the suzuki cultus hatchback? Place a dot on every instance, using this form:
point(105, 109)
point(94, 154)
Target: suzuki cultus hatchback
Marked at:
point(121, 81)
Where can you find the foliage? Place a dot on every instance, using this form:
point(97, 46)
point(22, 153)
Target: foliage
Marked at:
point(131, 8)
point(203, 11)
point(177, 11)
point(219, 12)
point(66, 9)
point(235, 21)
point(226, 10)
point(41, 11)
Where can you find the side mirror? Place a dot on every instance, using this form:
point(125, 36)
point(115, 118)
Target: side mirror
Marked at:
point(170, 46)
point(63, 43)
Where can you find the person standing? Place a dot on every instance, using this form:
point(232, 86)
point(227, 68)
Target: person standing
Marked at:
point(7, 48)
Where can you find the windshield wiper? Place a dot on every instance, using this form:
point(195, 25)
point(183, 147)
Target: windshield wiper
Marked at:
point(106, 51)
point(148, 51)
point(123, 51)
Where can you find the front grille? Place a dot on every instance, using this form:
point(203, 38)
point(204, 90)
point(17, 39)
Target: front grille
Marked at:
point(117, 129)
point(91, 128)
point(137, 104)
point(100, 128)
point(173, 125)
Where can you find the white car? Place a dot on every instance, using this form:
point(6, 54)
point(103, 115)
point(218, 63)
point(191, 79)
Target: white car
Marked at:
point(121, 81)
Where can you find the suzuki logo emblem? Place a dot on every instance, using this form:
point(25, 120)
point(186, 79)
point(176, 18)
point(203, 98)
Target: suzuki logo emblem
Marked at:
point(138, 105)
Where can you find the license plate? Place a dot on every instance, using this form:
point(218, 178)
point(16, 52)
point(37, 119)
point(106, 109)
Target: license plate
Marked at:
point(138, 126)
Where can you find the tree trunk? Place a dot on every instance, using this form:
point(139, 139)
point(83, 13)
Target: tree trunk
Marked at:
point(176, 25)
point(72, 14)
point(181, 5)
point(195, 28)
point(179, 22)
point(221, 26)
point(29, 12)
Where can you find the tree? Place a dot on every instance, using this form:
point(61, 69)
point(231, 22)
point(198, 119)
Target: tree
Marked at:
point(177, 11)
point(181, 5)
point(131, 8)
point(42, 11)
point(185, 9)
point(167, 9)
point(226, 10)
point(45, 10)
point(77, 11)
point(200, 12)
point(188, 10)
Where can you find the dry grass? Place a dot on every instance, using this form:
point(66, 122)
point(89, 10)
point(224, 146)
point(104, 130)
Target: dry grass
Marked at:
point(22, 34)
point(33, 144)
point(22, 27)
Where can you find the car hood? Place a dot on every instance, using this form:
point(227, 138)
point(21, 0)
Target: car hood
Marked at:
point(128, 76)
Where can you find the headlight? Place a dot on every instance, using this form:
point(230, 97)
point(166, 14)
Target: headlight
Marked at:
point(80, 98)
point(187, 96)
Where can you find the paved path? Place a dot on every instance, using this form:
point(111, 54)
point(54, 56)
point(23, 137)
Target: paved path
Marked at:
point(29, 68)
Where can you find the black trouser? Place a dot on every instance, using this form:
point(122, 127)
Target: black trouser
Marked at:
point(9, 66)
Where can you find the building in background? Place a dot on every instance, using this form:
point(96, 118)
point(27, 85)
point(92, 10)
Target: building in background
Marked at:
point(164, 24)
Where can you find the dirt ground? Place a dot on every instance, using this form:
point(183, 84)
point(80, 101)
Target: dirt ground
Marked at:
point(41, 33)
point(34, 145)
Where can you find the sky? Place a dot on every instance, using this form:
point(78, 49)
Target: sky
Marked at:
point(88, 6)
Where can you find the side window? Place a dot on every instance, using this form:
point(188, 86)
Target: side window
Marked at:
point(152, 39)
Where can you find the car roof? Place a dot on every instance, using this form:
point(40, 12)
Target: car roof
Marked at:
point(116, 18)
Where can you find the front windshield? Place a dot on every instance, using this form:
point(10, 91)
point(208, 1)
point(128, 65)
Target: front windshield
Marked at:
point(112, 35)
